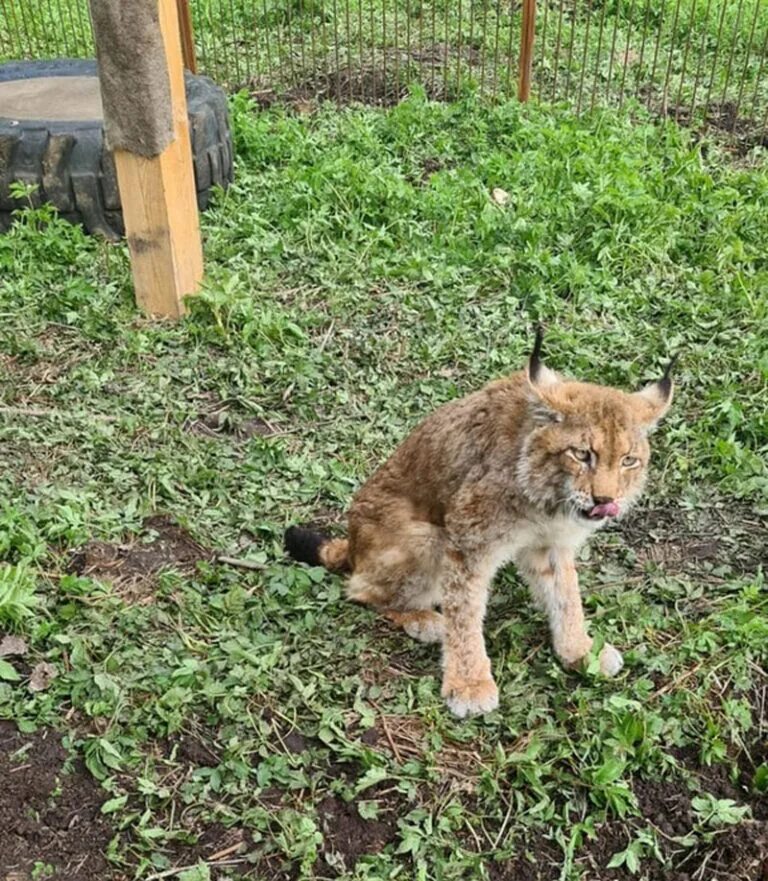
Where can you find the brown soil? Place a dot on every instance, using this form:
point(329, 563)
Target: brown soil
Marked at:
point(736, 852)
point(674, 539)
point(744, 132)
point(132, 568)
point(50, 812)
point(347, 836)
point(382, 78)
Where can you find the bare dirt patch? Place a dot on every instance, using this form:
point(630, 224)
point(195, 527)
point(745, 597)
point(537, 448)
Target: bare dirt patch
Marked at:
point(674, 539)
point(219, 418)
point(50, 812)
point(689, 851)
point(132, 568)
point(347, 836)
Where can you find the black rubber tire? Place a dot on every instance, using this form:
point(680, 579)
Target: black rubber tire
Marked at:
point(71, 167)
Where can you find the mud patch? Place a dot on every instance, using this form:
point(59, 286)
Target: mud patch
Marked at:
point(347, 836)
point(50, 812)
point(132, 568)
point(744, 133)
point(734, 537)
point(538, 860)
point(688, 848)
point(381, 78)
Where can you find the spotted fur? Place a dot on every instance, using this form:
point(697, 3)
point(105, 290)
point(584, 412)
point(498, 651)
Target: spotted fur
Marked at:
point(519, 471)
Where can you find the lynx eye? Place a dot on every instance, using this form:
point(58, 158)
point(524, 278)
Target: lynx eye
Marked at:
point(580, 455)
point(630, 462)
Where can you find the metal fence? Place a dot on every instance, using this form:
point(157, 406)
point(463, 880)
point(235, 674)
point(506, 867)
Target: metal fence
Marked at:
point(701, 61)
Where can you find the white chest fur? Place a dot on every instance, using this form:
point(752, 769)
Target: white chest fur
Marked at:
point(539, 533)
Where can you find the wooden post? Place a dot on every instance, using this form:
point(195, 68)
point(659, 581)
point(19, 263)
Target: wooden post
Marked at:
point(526, 49)
point(187, 36)
point(159, 200)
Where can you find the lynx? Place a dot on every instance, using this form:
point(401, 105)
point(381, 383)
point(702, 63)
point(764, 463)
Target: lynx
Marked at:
point(524, 470)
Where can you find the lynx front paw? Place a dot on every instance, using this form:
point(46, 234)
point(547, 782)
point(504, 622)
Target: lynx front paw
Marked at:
point(611, 660)
point(467, 698)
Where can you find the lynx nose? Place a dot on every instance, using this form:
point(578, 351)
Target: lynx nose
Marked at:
point(603, 500)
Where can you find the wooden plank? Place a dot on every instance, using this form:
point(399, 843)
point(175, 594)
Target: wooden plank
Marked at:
point(526, 49)
point(160, 201)
point(187, 36)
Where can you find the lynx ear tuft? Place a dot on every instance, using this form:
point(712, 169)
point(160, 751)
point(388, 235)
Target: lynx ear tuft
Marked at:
point(655, 399)
point(539, 375)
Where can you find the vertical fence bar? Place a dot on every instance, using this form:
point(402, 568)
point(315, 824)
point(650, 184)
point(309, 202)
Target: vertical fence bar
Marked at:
point(459, 49)
point(597, 57)
point(627, 48)
point(84, 17)
point(336, 50)
point(759, 76)
point(268, 44)
point(543, 42)
point(187, 36)
point(527, 34)
point(679, 99)
point(298, 35)
point(384, 85)
point(373, 51)
point(656, 51)
point(396, 45)
point(30, 50)
point(556, 62)
point(700, 59)
point(569, 62)
point(471, 41)
point(458, 45)
point(495, 86)
point(433, 52)
point(641, 59)
point(288, 30)
point(729, 68)
point(14, 31)
point(51, 33)
point(508, 86)
point(484, 50)
point(57, 22)
point(348, 27)
point(714, 60)
point(584, 57)
point(667, 75)
point(360, 47)
point(612, 56)
point(254, 53)
point(747, 58)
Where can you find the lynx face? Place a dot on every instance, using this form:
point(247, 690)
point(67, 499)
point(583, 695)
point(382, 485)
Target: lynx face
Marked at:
point(587, 452)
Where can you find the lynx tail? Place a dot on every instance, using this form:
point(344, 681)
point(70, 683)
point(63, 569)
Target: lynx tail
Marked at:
point(317, 549)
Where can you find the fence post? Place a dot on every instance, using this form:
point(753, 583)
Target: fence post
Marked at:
point(526, 49)
point(187, 36)
point(148, 133)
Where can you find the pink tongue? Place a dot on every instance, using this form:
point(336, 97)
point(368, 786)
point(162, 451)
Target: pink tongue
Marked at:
point(611, 509)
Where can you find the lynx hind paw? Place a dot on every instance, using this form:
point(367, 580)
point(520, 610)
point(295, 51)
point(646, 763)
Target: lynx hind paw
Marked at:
point(611, 660)
point(471, 698)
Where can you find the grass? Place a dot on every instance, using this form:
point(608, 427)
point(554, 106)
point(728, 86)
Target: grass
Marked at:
point(701, 59)
point(358, 275)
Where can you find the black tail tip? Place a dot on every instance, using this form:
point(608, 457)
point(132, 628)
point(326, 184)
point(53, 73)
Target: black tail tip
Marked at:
point(304, 545)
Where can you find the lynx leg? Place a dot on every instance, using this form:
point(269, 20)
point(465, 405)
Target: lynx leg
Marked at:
point(554, 585)
point(398, 575)
point(468, 685)
point(426, 625)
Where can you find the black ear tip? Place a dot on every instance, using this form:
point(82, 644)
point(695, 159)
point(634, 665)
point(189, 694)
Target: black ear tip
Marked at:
point(534, 362)
point(665, 383)
point(670, 367)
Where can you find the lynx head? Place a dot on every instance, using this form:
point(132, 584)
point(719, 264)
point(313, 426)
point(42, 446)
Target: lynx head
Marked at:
point(586, 453)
